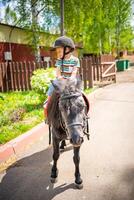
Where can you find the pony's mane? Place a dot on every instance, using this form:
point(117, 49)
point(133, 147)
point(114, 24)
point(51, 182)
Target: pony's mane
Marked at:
point(53, 110)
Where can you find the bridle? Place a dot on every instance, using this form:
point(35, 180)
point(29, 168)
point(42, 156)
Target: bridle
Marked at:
point(62, 124)
point(75, 123)
point(70, 97)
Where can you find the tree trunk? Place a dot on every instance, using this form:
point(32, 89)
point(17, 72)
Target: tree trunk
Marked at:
point(35, 29)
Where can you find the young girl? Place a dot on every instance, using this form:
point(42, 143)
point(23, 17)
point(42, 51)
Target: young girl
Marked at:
point(66, 64)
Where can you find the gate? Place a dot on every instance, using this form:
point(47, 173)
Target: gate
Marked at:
point(96, 73)
point(108, 71)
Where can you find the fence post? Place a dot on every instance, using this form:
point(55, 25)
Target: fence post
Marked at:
point(81, 70)
point(12, 77)
point(101, 72)
point(21, 76)
point(5, 77)
point(1, 78)
point(84, 73)
point(25, 75)
point(45, 65)
point(18, 75)
point(90, 74)
point(115, 77)
point(28, 74)
point(9, 87)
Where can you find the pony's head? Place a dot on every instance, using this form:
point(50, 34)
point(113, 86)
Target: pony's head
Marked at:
point(72, 108)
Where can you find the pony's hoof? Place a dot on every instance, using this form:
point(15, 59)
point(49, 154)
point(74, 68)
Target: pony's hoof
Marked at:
point(79, 186)
point(54, 180)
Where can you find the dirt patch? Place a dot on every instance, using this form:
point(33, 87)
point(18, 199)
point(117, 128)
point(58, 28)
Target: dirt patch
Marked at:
point(17, 114)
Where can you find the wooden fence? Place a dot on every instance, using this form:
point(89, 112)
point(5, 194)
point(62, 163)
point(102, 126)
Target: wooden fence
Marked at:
point(16, 75)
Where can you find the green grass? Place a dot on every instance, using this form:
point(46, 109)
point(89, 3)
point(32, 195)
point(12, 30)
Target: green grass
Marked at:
point(19, 112)
point(88, 91)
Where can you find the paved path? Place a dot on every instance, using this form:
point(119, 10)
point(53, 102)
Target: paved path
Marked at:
point(107, 161)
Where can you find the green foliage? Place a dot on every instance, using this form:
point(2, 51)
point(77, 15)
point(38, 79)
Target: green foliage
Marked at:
point(88, 91)
point(10, 16)
point(19, 112)
point(41, 79)
point(27, 15)
point(100, 24)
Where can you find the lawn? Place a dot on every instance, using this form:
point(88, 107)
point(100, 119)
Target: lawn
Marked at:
point(88, 91)
point(19, 112)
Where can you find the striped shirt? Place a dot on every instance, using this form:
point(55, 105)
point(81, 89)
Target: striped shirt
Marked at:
point(68, 65)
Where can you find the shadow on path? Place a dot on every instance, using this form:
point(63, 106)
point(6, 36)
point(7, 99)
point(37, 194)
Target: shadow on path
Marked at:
point(29, 179)
point(123, 189)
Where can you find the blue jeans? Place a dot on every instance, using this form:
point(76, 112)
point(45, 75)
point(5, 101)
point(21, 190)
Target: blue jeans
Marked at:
point(51, 89)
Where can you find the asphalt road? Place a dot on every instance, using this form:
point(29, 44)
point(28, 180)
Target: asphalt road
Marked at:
point(107, 160)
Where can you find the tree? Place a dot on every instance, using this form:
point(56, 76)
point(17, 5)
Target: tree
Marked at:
point(10, 16)
point(28, 12)
point(99, 24)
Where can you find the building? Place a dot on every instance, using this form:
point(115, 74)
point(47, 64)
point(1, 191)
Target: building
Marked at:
point(15, 44)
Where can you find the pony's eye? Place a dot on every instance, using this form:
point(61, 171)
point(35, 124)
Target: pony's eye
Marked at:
point(80, 105)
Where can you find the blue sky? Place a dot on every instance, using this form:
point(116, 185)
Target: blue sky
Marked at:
point(132, 20)
point(1, 10)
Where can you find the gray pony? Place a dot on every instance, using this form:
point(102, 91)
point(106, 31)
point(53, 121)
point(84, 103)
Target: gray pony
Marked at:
point(67, 116)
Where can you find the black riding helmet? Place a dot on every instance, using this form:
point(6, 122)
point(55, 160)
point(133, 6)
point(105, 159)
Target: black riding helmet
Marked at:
point(64, 42)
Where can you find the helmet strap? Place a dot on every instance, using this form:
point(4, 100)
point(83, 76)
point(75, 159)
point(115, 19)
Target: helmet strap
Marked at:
point(65, 53)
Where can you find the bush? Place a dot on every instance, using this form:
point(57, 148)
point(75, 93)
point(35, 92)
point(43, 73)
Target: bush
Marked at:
point(41, 79)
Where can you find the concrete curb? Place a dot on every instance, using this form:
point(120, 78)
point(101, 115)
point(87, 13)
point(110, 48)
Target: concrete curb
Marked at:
point(10, 151)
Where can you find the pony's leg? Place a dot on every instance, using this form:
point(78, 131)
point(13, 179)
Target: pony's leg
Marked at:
point(76, 159)
point(56, 153)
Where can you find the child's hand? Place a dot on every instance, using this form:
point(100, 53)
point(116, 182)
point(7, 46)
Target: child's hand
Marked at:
point(73, 79)
point(60, 78)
